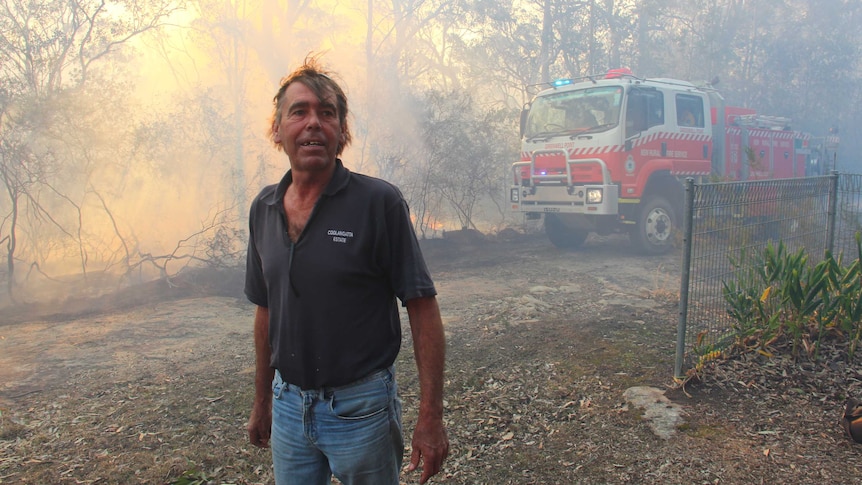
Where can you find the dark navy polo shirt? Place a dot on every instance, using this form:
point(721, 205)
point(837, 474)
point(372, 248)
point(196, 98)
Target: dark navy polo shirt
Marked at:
point(332, 294)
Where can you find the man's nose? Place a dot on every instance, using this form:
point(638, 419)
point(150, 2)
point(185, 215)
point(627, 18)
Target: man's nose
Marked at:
point(313, 120)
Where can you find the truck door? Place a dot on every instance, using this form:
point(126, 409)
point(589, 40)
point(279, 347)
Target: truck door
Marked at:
point(644, 109)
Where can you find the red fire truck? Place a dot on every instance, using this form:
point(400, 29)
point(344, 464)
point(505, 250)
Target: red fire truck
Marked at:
point(607, 154)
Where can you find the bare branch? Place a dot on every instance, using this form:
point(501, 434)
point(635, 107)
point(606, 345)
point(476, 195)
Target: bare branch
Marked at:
point(113, 222)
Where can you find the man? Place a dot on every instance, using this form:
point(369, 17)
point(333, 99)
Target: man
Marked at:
point(580, 117)
point(686, 118)
point(329, 251)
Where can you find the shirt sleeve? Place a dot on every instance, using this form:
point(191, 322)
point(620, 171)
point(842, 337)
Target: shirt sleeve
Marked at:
point(255, 286)
point(408, 272)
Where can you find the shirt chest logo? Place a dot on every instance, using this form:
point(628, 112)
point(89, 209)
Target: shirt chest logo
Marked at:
point(339, 236)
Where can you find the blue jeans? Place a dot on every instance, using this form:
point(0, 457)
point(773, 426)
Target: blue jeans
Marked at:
point(352, 432)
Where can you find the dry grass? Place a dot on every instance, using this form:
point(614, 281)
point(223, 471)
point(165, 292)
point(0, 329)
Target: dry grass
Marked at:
point(540, 352)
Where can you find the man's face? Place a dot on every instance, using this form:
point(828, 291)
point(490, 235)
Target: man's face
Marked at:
point(309, 130)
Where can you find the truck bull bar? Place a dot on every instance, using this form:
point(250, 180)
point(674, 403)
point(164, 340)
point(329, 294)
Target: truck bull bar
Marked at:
point(555, 179)
point(552, 201)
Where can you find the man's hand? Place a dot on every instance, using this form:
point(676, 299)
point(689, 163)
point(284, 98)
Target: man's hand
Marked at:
point(260, 425)
point(431, 446)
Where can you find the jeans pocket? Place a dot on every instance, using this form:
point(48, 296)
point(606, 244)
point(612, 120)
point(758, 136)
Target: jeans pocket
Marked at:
point(361, 401)
point(278, 387)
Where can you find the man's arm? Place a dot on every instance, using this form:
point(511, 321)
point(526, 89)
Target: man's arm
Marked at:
point(260, 422)
point(430, 443)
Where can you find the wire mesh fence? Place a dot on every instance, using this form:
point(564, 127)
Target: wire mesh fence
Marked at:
point(728, 224)
point(848, 216)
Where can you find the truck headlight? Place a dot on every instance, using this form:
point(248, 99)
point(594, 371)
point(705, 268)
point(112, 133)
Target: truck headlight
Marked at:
point(594, 196)
point(514, 195)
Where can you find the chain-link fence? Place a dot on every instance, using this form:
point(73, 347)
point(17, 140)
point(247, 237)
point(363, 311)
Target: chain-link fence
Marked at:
point(726, 224)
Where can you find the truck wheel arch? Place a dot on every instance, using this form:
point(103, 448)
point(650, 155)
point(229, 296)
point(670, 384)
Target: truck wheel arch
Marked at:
point(659, 214)
point(669, 187)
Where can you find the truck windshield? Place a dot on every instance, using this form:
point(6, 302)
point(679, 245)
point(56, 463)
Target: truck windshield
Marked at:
point(572, 112)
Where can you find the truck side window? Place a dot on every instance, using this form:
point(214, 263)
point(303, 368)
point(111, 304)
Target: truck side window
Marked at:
point(655, 108)
point(689, 110)
point(635, 120)
point(644, 110)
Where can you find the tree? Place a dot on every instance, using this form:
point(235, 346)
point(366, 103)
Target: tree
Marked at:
point(462, 151)
point(502, 57)
point(52, 51)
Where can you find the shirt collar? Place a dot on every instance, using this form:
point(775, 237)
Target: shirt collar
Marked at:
point(339, 180)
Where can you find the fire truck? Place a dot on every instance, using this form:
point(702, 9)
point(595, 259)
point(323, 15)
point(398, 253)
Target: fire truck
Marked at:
point(608, 154)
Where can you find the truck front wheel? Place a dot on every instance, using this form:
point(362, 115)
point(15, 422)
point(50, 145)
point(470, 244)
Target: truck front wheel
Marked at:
point(656, 226)
point(563, 236)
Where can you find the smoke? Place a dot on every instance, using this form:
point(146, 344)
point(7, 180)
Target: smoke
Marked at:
point(159, 155)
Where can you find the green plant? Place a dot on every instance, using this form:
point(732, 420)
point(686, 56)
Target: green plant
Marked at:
point(751, 297)
point(846, 283)
point(802, 290)
point(780, 293)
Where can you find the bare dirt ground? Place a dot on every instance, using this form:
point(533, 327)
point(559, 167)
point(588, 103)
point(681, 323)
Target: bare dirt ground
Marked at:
point(155, 385)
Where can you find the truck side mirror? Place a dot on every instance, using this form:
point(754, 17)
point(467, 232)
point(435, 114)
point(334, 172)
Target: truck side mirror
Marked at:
point(524, 119)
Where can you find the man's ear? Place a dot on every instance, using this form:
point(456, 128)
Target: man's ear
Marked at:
point(276, 137)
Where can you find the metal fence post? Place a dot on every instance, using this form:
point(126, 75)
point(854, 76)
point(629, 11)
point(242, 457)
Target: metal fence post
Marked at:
point(688, 219)
point(831, 211)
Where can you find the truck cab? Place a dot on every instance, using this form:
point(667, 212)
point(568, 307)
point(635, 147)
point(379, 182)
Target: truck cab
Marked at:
point(604, 155)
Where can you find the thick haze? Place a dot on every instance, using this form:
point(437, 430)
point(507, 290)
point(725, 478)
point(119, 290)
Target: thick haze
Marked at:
point(136, 150)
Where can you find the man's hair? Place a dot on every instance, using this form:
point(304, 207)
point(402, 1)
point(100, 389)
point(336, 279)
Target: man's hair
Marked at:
point(312, 74)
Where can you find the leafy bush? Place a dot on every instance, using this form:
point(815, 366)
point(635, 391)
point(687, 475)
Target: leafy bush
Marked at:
point(779, 294)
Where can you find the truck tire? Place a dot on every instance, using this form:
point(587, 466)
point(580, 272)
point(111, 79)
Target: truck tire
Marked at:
point(656, 226)
point(563, 236)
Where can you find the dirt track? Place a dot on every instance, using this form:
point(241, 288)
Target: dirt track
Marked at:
point(157, 328)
